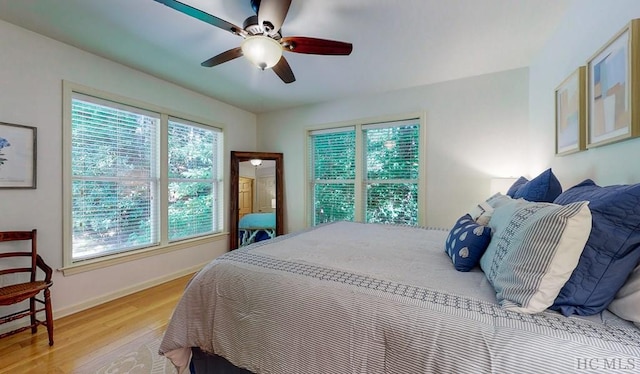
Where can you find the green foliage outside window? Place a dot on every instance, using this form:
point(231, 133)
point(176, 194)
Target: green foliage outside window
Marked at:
point(392, 164)
point(334, 165)
point(334, 202)
point(116, 185)
point(191, 191)
point(390, 181)
point(113, 178)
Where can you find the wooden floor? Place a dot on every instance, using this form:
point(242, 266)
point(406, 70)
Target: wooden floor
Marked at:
point(100, 334)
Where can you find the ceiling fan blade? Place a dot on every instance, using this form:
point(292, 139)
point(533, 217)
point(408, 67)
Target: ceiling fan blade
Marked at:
point(284, 71)
point(273, 12)
point(203, 16)
point(223, 57)
point(314, 46)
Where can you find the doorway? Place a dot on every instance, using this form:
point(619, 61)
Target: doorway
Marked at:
point(245, 196)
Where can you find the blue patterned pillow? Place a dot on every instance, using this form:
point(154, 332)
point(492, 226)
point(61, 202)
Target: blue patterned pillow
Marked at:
point(466, 243)
point(543, 188)
point(612, 251)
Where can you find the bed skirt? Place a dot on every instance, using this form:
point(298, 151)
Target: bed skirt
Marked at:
point(202, 363)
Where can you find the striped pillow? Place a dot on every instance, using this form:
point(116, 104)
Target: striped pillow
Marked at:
point(533, 251)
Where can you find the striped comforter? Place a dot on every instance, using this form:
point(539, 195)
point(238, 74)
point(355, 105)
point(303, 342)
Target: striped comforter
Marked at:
point(364, 298)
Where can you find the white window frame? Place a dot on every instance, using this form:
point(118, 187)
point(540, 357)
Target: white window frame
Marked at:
point(360, 180)
point(218, 185)
point(314, 182)
point(69, 266)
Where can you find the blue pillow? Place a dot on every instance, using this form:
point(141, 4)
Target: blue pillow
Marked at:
point(612, 250)
point(516, 186)
point(467, 242)
point(542, 189)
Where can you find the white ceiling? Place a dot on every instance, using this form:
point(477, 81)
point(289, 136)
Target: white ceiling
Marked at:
point(396, 44)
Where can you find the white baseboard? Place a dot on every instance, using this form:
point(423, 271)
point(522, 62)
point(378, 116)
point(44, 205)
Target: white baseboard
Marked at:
point(124, 292)
point(105, 298)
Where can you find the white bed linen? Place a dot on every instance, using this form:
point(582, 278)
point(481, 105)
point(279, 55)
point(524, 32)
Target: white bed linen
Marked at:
point(364, 298)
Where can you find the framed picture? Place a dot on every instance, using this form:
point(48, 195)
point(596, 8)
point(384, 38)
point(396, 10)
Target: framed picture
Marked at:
point(570, 113)
point(17, 156)
point(612, 75)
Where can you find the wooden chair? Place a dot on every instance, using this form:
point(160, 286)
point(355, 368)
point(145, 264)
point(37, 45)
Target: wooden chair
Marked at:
point(14, 292)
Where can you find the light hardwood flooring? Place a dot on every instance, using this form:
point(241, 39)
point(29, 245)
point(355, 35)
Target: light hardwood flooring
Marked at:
point(94, 336)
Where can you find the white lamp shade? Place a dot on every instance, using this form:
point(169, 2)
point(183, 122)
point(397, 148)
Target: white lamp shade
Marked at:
point(262, 51)
point(500, 185)
point(256, 162)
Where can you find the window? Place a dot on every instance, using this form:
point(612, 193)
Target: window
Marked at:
point(366, 172)
point(137, 178)
point(391, 164)
point(193, 179)
point(334, 170)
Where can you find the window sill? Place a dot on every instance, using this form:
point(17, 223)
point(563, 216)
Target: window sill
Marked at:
point(120, 258)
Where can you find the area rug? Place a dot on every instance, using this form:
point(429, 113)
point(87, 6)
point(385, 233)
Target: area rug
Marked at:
point(143, 360)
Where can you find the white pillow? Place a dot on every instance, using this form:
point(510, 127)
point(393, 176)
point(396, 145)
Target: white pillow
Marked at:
point(626, 304)
point(533, 251)
point(498, 200)
point(481, 213)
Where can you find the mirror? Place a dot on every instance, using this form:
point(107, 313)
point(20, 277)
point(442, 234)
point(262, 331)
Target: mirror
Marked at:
point(256, 206)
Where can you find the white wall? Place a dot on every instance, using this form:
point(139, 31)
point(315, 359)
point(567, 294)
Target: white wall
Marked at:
point(476, 130)
point(588, 26)
point(31, 72)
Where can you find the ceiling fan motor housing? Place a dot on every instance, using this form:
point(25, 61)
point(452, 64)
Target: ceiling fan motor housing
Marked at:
point(251, 26)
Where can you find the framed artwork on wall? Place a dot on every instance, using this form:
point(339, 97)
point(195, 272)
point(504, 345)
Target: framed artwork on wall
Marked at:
point(612, 87)
point(570, 113)
point(17, 156)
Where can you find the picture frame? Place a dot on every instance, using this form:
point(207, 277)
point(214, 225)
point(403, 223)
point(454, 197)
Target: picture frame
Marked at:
point(18, 145)
point(612, 87)
point(571, 113)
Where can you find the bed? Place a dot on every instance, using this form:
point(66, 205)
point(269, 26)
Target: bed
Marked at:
point(537, 280)
point(255, 227)
point(350, 297)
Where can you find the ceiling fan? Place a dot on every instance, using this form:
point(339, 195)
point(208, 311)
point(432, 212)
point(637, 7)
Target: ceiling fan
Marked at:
point(263, 42)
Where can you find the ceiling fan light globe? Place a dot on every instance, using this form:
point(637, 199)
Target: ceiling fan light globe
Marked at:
point(262, 51)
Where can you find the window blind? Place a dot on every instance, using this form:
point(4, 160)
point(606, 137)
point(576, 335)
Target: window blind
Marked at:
point(368, 172)
point(391, 164)
point(136, 178)
point(333, 172)
point(195, 201)
point(114, 177)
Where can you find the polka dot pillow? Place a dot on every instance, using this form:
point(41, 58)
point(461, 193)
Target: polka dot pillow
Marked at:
point(467, 242)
